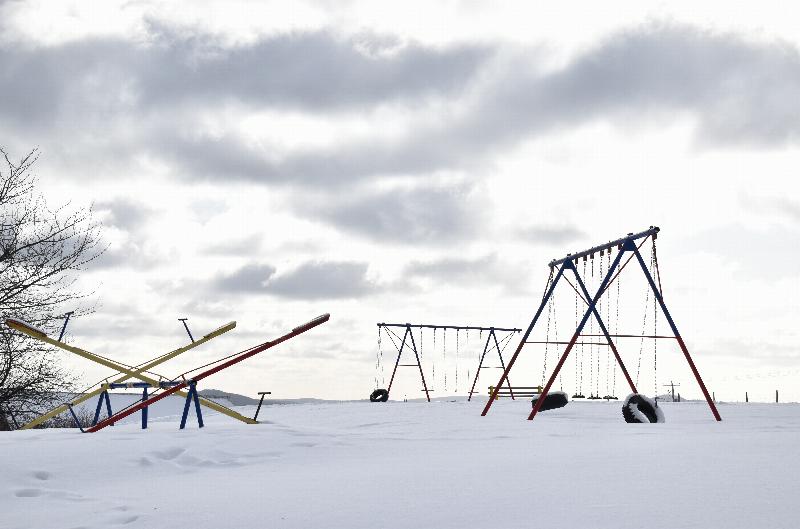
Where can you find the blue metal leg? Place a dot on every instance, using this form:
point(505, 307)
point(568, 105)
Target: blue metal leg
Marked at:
point(192, 397)
point(197, 407)
point(108, 406)
point(97, 410)
point(144, 410)
point(103, 397)
point(77, 422)
point(186, 407)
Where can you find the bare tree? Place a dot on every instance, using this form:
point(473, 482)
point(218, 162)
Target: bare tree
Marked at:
point(41, 252)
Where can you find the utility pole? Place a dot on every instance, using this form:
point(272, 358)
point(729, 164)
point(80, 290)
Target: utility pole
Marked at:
point(672, 385)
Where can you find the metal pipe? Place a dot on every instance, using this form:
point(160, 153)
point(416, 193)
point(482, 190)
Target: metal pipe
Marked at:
point(630, 237)
point(630, 336)
point(455, 327)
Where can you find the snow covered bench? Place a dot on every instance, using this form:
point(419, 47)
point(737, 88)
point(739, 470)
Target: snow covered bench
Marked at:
point(519, 391)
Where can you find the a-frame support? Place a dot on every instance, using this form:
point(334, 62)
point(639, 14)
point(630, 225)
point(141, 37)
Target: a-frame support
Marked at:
point(626, 244)
point(103, 397)
point(191, 397)
point(491, 342)
point(413, 346)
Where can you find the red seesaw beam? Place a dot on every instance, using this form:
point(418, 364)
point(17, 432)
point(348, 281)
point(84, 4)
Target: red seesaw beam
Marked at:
point(235, 360)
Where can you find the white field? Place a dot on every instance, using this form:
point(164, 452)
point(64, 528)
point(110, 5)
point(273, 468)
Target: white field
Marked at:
point(413, 465)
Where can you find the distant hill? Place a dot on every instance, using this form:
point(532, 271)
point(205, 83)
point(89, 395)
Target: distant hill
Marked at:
point(233, 398)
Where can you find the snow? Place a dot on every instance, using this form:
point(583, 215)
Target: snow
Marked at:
point(412, 465)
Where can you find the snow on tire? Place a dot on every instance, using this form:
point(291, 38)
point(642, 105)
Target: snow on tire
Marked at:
point(638, 408)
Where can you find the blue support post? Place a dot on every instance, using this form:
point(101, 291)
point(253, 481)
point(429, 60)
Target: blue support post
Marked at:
point(103, 397)
point(75, 417)
point(192, 396)
point(144, 410)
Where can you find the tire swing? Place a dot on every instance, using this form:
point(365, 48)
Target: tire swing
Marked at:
point(379, 395)
point(640, 409)
point(553, 400)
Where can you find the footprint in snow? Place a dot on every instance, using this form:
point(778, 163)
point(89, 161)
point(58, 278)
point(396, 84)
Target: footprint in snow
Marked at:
point(28, 493)
point(42, 475)
point(124, 520)
point(169, 453)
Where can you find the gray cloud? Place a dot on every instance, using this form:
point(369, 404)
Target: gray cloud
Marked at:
point(128, 254)
point(455, 270)
point(425, 214)
point(123, 213)
point(250, 278)
point(467, 272)
point(310, 71)
point(737, 91)
point(324, 280)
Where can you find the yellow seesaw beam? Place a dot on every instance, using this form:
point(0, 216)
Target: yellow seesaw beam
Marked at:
point(128, 372)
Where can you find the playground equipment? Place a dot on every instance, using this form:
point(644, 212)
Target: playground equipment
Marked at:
point(143, 373)
point(638, 408)
point(407, 341)
point(553, 400)
point(625, 246)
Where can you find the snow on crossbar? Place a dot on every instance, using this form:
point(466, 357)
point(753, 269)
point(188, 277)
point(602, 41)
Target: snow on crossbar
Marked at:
point(235, 360)
point(24, 326)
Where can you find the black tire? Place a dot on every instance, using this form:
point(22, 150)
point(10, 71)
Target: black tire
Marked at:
point(553, 400)
point(379, 395)
point(648, 411)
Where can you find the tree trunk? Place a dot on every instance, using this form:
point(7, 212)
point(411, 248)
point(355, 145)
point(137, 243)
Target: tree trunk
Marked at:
point(4, 426)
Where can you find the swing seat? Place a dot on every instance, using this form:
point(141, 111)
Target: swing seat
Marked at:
point(379, 395)
point(638, 408)
point(594, 397)
point(610, 397)
point(556, 399)
point(578, 396)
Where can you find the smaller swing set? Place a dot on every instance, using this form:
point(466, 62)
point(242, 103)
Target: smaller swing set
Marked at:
point(408, 342)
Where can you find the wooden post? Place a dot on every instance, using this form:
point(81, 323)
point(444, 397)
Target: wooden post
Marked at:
point(713, 397)
point(745, 397)
point(776, 395)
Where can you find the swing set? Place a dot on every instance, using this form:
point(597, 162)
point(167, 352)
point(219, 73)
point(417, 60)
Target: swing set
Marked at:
point(600, 336)
point(407, 342)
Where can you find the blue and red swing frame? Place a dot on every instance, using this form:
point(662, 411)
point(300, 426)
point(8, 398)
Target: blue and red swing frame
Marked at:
point(625, 245)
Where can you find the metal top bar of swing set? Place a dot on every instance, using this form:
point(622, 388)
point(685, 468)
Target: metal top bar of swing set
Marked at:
point(455, 327)
point(630, 237)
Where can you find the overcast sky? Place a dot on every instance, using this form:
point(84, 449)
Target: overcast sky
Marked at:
point(403, 162)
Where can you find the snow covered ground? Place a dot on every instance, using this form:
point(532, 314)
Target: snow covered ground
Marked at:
point(413, 465)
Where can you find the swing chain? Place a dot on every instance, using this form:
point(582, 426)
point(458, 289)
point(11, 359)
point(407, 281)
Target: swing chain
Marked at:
point(654, 265)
